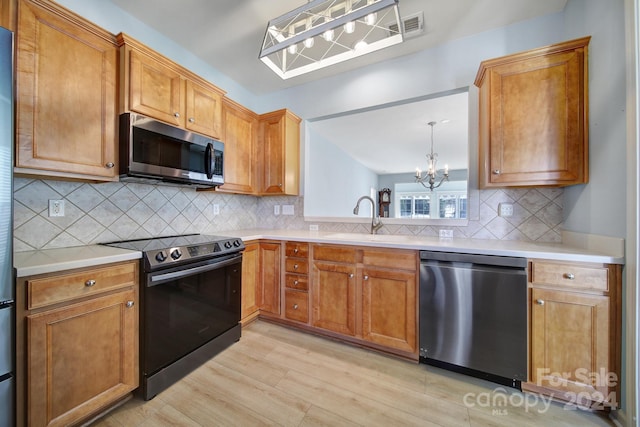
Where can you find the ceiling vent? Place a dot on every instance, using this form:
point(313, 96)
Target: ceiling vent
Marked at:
point(413, 25)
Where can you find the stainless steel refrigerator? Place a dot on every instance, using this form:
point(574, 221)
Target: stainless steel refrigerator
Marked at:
point(7, 287)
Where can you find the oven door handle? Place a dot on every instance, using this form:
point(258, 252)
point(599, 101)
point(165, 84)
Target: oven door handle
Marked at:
point(157, 279)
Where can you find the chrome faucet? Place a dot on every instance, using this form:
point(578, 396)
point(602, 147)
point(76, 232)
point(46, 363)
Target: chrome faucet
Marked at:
point(376, 224)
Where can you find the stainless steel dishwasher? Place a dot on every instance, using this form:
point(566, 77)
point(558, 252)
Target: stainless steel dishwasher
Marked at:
point(473, 315)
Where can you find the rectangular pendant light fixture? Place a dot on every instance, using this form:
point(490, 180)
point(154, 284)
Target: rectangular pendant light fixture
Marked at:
point(326, 32)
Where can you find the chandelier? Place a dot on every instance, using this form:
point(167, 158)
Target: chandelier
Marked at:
point(430, 177)
point(326, 32)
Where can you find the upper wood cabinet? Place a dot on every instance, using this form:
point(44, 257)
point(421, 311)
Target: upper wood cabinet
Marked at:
point(66, 94)
point(240, 148)
point(280, 148)
point(155, 86)
point(534, 117)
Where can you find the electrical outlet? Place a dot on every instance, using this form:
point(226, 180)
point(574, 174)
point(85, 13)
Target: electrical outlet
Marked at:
point(216, 209)
point(313, 227)
point(287, 210)
point(446, 234)
point(56, 208)
point(505, 209)
point(276, 209)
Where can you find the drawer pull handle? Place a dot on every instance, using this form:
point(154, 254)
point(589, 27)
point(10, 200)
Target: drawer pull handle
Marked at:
point(89, 283)
point(295, 306)
point(129, 304)
point(295, 266)
point(569, 276)
point(295, 251)
point(540, 301)
point(295, 282)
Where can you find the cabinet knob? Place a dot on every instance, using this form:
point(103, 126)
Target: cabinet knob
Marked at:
point(89, 283)
point(295, 266)
point(540, 301)
point(295, 306)
point(366, 277)
point(351, 276)
point(569, 276)
point(191, 120)
point(129, 304)
point(176, 115)
point(295, 282)
point(279, 185)
point(295, 251)
point(496, 171)
point(110, 165)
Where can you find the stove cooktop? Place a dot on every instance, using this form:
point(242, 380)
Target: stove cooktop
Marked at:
point(170, 250)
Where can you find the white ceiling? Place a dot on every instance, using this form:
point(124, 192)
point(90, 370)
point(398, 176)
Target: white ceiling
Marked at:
point(228, 34)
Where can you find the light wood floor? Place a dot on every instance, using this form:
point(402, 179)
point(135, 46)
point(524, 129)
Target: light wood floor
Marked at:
point(278, 376)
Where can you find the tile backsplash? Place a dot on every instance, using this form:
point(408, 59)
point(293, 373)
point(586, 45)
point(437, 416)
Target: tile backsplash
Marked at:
point(97, 213)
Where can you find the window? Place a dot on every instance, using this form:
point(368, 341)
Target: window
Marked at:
point(450, 204)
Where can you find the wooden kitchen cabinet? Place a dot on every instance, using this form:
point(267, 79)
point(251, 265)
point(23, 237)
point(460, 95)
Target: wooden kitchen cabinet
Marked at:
point(157, 87)
point(240, 149)
point(280, 147)
point(575, 332)
point(269, 291)
point(66, 94)
point(296, 273)
point(366, 293)
point(534, 117)
point(250, 282)
point(78, 333)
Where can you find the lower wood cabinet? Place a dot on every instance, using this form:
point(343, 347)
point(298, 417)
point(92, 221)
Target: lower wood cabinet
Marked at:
point(367, 293)
point(80, 355)
point(250, 282)
point(269, 290)
point(575, 332)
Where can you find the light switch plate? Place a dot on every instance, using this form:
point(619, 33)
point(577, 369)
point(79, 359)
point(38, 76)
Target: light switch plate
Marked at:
point(276, 209)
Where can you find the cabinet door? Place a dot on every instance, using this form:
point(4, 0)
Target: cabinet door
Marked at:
point(240, 149)
point(203, 110)
point(280, 134)
point(537, 125)
point(570, 341)
point(389, 308)
point(270, 278)
point(66, 95)
point(81, 358)
point(155, 90)
point(250, 280)
point(334, 297)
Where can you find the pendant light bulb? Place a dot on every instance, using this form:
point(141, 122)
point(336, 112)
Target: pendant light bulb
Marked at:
point(349, 27)
point(328, 35)
point(371, 19)
point(293, 49)
point(308, 43)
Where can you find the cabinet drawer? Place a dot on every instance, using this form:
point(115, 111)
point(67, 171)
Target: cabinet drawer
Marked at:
point(299, 266)
point(297, 249)
point(579, 276)
point(396, 259)
point(296, 306)
point(334, 253)
point(65, 287)
point(295, 281)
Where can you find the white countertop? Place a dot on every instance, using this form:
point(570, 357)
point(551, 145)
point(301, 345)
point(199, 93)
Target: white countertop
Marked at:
point(44, 261)
point(53, 260)
point(553, 251)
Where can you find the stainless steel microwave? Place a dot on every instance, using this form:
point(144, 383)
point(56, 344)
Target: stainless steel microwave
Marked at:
point(155, 152)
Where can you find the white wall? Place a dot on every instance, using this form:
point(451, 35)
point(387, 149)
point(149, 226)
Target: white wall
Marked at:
point(338, 178)
point(600, 206)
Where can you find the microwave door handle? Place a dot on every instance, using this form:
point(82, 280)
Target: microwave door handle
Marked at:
point(208, 160)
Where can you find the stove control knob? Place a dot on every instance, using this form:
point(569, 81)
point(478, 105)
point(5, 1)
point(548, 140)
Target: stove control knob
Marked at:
point(227, 244)
point(161, 256)
point(237, 243)
point(175, 254)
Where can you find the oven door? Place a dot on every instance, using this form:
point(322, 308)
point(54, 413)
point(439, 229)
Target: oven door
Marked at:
point(188, 306)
